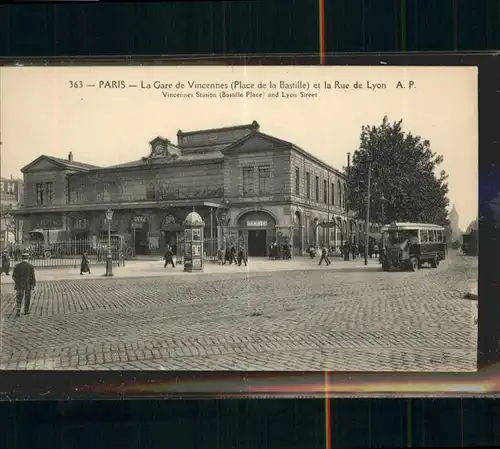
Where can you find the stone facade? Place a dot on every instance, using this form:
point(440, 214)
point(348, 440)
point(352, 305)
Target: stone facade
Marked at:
point(243, 182)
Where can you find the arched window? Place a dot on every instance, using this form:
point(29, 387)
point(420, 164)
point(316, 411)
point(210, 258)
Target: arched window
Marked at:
point(339, 193)
point(344, 196)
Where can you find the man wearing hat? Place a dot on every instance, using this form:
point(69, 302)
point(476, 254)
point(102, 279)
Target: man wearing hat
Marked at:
point(24, 283)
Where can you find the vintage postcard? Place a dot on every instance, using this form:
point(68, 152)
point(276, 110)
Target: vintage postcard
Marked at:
point(239, 218)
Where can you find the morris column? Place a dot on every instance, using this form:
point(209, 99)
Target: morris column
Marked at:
point(193, 241)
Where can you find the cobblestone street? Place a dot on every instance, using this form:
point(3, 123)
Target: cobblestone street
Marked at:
point(356, 318)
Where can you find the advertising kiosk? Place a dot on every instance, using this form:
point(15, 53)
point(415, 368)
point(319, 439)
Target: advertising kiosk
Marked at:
point(193, 242)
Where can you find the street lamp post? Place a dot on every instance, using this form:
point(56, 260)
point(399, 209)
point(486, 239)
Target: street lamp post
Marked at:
point(109, 257)
point(368, 194)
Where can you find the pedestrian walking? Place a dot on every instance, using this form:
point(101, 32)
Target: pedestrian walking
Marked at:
point(324, 256)
point(272, 250)
point(286, 252)
point(85, 264)
point(232, 255)
point(24, 283)
point(5, 263)
point(353, 251)
point(311, 251)
point(242, 257)
point(169, 257)
point(220, 257)
point(227, 256)
point(375, 250)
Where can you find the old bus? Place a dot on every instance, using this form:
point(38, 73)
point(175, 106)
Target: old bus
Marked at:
point(408, 246)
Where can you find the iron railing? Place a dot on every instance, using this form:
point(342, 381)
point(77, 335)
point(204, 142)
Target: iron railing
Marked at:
point(68, 253)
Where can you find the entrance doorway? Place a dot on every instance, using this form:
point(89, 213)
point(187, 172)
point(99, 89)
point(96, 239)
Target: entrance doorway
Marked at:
point(141, 243)
point(170, 238)
point(257, 243)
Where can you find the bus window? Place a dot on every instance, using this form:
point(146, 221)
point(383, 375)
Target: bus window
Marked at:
point(440, 236)
point(431, 236)
point(423, 236)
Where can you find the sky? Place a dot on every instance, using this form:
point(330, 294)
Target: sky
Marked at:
point(52, 110)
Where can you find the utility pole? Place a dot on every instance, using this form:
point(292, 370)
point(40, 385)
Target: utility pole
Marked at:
point(368, 194)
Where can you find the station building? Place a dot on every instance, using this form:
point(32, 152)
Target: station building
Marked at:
point(242, 181)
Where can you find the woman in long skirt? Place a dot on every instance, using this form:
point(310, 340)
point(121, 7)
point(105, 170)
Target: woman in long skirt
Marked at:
point(85, 265)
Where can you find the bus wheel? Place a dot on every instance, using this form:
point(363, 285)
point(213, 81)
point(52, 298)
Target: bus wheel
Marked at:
point(47, 254)
point(434, 262)
point(414, 264)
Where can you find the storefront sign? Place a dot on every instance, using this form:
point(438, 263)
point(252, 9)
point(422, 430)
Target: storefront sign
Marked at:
point(257, 223)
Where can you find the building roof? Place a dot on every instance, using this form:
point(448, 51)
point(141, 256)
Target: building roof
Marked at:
point(253, 126)
point(148, 162)
point(64, 163)
point(209, 152)
point(283, 143)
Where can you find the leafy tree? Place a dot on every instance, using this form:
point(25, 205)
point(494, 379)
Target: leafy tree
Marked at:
point(404, 185)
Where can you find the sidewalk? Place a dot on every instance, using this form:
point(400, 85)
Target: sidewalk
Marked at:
point(141, 269)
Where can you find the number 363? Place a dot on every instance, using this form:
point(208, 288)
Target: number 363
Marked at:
point(75, 84)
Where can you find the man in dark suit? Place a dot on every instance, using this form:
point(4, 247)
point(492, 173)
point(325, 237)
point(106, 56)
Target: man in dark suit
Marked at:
point(169, 257)
point(24, 283)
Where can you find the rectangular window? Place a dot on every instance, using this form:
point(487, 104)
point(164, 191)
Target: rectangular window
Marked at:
point(308, 185)
point(39, 194)
point(264, 180)
point(440, 236)
point(431, 236)
point(106, 192)
point(332, 194)
point(316, 188)
point(248, 180)
point(297, 181)
point(424, 236)
point(50, 192)
point(325, 192)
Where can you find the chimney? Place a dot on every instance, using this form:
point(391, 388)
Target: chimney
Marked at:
point(70, 156)
point(348, 159)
